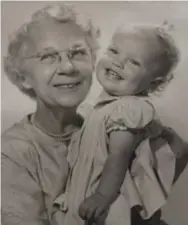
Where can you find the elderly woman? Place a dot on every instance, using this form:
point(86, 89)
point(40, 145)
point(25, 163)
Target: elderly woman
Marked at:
point(50, 59)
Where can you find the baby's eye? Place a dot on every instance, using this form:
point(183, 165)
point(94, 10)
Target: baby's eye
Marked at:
point(134, 62)
point(113, 50)
point(49, 58)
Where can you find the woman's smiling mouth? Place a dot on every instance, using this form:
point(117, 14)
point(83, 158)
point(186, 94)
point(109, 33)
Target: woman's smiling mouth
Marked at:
point(67, 85)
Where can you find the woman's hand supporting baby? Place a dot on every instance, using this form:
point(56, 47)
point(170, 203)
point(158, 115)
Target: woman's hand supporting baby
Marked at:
point(178, 145)
point(179, 148)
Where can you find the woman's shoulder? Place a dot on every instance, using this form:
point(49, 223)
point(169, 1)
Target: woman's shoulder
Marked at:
point(16, 143)
point(19, 131)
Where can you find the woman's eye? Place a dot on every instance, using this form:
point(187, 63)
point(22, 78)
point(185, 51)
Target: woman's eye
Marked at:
point(114, 51)
point(134, 62)
point(49, 58)
point(78, 53)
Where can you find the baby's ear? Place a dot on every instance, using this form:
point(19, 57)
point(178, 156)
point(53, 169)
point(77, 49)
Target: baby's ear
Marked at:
point(156, 82)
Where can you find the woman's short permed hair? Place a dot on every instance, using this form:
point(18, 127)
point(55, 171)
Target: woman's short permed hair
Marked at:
point(62, 13)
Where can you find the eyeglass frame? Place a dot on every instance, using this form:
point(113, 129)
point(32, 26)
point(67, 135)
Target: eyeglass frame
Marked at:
point(69, 53)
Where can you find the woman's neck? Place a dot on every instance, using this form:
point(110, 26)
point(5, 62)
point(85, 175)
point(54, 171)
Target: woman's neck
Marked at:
point(55, 120)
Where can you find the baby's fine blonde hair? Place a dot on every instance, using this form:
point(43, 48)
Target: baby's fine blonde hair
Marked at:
point(169, 54)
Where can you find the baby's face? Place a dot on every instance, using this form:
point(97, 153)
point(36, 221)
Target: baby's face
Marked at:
point(126, 67)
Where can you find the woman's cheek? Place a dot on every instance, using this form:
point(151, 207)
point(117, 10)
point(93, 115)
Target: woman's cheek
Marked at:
point(105, 61)
point(84, 68)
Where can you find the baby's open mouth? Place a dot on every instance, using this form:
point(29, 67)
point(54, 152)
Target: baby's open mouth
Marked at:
point(112, 74)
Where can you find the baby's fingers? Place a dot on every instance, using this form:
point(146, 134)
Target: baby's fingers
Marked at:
point(87, 211)
point(90, 213)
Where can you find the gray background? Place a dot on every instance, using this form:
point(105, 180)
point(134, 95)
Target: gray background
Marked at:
point(172, 105)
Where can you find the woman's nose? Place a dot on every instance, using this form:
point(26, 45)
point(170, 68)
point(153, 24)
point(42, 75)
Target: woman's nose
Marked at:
point(65, 66)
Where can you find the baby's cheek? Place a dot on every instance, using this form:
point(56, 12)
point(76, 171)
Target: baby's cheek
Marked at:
point(103, 63)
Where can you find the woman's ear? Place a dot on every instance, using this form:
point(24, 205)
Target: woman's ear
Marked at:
point(25, 82)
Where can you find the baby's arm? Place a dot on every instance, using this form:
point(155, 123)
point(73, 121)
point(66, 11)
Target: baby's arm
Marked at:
point(121, 148)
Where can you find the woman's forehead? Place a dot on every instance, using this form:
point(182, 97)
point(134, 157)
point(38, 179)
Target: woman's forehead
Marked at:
point(55, 35)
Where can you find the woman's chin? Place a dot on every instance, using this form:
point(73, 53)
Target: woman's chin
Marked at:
point(74, 97)
point(71, 101)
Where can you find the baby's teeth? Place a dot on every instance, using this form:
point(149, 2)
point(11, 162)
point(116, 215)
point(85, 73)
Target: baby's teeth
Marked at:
point(113, 73)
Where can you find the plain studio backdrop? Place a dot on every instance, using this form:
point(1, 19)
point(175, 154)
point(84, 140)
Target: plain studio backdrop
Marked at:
point(172, 105)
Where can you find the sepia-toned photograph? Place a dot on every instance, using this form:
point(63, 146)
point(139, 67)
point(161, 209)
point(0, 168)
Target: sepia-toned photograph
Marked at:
point(94, 112)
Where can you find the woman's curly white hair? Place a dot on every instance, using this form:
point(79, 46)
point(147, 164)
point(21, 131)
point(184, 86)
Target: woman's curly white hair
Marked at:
point(62, 13)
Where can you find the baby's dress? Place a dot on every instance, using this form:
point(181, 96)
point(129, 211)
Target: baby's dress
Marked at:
point(147, 182)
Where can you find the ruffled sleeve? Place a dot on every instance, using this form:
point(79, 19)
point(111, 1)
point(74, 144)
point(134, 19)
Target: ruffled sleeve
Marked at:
point(130, 114)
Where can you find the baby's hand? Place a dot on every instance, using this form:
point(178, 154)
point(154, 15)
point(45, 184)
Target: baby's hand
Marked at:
point(94, 207)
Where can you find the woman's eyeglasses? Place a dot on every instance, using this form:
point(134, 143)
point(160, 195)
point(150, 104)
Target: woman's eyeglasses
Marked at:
point(53, 56)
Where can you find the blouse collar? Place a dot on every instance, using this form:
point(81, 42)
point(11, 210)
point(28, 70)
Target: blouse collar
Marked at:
point(105, 98)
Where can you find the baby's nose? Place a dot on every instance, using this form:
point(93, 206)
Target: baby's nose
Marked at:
point(119, 64)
